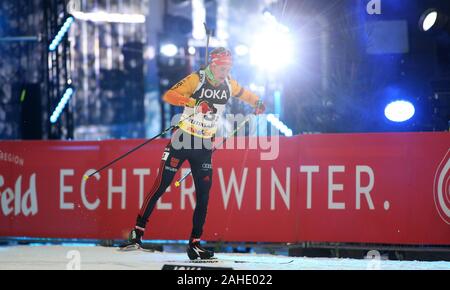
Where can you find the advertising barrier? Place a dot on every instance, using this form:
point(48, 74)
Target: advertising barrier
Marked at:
point(390, 188)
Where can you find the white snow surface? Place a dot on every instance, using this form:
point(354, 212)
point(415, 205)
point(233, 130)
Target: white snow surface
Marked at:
point(103, 258)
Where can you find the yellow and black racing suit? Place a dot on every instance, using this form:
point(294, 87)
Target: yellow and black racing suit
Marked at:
point(189, 92)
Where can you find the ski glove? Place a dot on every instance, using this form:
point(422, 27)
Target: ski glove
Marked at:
point(206, 108)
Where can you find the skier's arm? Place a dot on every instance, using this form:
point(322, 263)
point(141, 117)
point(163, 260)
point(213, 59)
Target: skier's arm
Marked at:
point(180, 94)
point(245, 95)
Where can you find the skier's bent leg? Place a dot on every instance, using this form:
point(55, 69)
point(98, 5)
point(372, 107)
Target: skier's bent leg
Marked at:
point(169, 167)
point(170, 163)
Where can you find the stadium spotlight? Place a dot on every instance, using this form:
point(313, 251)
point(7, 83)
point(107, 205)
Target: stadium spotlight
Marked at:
point(192, 50)
point(169, 50)
point(241, 50)
point(399, 111)
point(433, 20)
point(273, 47)
point(272, 51)
point(61, 33)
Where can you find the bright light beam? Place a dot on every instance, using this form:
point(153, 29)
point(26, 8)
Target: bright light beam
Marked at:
point(273, 49)
point(241, 50)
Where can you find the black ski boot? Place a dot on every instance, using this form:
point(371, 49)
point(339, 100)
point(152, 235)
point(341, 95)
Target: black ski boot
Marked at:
point(195, 251)
point(134, 241)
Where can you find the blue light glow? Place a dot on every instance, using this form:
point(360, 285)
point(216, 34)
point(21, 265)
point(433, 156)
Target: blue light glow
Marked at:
point(279, 125)
point(61, 33)
point(62, 104)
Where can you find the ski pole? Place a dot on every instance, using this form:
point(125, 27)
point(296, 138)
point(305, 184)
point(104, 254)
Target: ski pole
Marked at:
point(86, 177)
point(178, 183)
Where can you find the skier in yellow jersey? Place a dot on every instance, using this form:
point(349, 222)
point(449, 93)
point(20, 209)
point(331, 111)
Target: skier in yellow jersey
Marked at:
point(204, 95)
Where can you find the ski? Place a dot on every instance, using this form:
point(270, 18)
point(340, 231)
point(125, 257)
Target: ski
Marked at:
point(199, 261)
point(133, 248)
point(217, 260)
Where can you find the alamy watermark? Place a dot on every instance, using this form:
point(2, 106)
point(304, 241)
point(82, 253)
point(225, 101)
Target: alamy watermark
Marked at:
point(74, 258)
point(374, 260)
point(374, 7)
point(231, 130)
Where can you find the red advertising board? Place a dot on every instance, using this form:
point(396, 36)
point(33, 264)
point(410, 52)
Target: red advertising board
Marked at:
point(389, 188)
